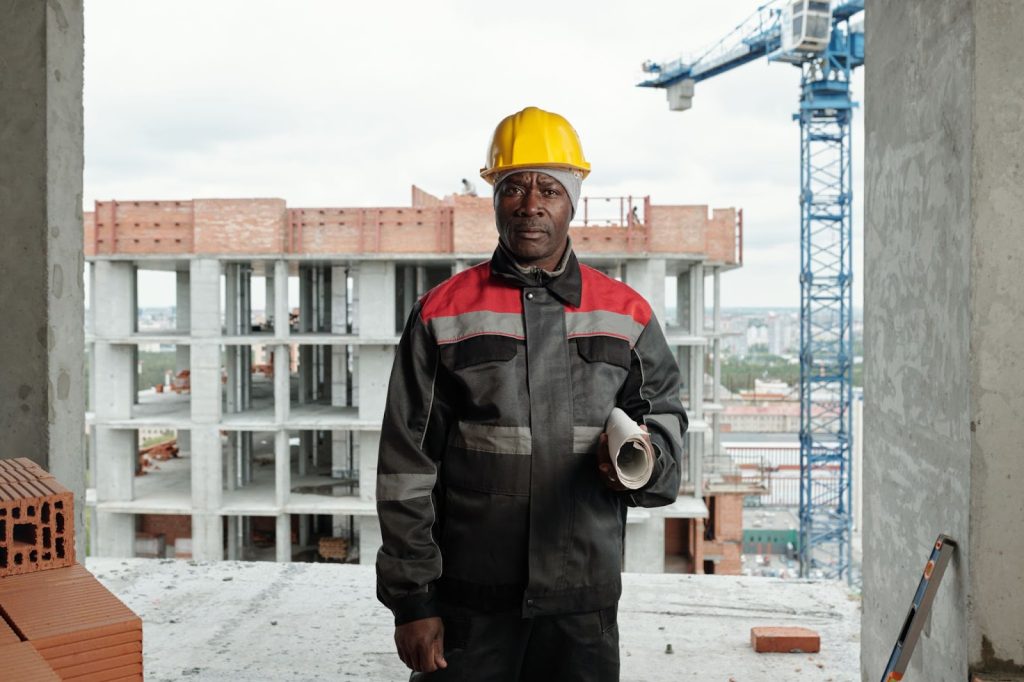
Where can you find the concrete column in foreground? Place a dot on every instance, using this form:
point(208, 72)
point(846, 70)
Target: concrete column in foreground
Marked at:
point(944, 379)
point(42, 392)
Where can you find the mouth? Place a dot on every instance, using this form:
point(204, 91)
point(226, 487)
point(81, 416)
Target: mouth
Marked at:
point(530, 231)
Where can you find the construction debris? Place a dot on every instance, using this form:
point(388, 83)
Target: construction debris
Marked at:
point(333, 549)
point(158, 452)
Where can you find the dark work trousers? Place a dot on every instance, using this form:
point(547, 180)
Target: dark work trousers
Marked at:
point(506, 647)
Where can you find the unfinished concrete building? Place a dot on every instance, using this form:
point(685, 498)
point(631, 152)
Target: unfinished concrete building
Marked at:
point(279, 426)
point(943, 390)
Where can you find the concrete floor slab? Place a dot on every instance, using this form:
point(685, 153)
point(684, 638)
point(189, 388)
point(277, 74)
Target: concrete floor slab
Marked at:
point(270, 622)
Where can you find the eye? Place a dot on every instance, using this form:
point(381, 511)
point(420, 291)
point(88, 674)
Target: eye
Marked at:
point(510, 190)
point(551, 192)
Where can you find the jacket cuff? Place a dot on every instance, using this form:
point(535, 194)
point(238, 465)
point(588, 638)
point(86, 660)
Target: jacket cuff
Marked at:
point(414, 607)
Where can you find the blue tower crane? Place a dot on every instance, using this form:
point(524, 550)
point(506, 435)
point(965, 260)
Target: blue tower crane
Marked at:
point(822, 39)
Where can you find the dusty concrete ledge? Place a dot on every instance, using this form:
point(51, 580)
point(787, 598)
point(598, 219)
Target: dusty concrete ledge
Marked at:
point(266, 621)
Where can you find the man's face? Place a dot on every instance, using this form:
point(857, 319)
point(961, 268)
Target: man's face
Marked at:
point(533, 213)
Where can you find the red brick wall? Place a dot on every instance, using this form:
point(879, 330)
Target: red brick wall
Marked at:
point(720, 235)
point(473, 229)
point(422, 198)
point(239, 225)
point(728, 533)
point(459, 224)
point(140, 227)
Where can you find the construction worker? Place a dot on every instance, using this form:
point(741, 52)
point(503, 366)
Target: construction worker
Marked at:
point(502, 531)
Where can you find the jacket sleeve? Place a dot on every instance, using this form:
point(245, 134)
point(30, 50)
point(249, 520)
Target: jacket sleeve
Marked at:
point(411, 442)
point(651, 395)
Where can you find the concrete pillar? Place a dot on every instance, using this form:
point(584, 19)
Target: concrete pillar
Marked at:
point(283, 535)
point(206, 459)
point(282, 370)
point(306, 317)
point(232, 327)
point(944, 381)
point(645, 546)
point(696, 374)
point(232, 449)
point(280, 300)
point(114, 370)
point(115, 477)
point(340, 454)
point(376, 310)
point(42, 396)
point(645, 540)
point(183, 352)
point(233, 539)
point(716, 367)
point(647, 276)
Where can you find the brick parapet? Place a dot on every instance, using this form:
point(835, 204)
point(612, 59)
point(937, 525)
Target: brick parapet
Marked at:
point(455, 224)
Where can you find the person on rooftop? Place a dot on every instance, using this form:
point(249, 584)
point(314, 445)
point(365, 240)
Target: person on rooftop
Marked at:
point(502, 519)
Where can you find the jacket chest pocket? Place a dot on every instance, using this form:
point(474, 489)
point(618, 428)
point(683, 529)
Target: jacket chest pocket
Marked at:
point(600, 367)
point(606, 349)
point(490, 378)
point(482, 349)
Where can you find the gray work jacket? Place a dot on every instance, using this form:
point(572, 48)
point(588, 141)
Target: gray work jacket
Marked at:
point(488, 491)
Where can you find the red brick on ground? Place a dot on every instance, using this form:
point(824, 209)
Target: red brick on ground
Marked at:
point(69, 618)
point(784, 640)
point(36, 519)
point(23, 663)
point(7, 635)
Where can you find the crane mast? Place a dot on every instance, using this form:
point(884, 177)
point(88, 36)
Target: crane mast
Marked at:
point(822, 40)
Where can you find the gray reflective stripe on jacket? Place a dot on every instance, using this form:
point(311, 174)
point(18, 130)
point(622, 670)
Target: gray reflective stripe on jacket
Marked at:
point(487, 489)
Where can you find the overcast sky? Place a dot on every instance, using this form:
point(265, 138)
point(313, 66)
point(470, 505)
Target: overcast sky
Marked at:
point(348, 104)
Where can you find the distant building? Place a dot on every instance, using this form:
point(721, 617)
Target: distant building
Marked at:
point(279, 451)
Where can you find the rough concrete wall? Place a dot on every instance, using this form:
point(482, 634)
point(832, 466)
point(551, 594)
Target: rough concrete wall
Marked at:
point(917, 372)
point(996, 615)
point(42, 394)
point(918, 378)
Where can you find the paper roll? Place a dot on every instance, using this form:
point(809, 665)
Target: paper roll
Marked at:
point(631, 452)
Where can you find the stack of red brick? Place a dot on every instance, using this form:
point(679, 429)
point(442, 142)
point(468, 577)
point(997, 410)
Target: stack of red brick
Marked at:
point(57, 622)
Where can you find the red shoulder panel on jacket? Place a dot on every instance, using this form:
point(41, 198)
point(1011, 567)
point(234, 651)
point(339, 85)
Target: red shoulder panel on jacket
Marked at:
point(601, 292)
point(471, 290)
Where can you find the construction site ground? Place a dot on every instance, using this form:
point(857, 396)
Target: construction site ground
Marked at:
point(263, 621)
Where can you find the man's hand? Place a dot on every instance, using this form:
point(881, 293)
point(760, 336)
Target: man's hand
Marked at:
point(604, 462)
point(421, 644)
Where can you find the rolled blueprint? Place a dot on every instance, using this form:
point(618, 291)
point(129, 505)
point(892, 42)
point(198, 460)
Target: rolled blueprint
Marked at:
point(631, 452)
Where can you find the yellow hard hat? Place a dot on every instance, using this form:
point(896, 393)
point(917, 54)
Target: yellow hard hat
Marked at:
point(534, 138)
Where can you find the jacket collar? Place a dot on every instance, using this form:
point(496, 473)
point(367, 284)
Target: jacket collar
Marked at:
point(565, 282)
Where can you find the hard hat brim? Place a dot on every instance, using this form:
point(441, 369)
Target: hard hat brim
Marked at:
point(488, 173)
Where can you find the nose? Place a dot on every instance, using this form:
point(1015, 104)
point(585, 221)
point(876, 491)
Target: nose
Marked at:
point(530, 204)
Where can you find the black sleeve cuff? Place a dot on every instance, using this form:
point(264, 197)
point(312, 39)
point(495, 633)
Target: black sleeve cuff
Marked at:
point(414, 607)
